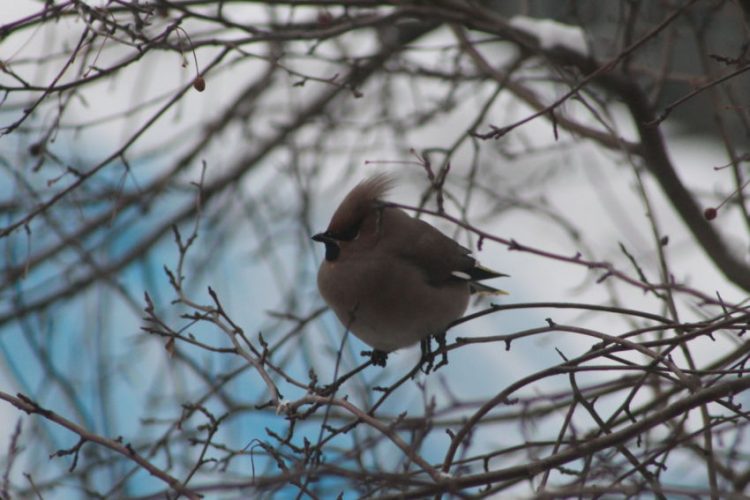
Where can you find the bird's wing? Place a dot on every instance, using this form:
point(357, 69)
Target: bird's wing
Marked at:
point(439, 257)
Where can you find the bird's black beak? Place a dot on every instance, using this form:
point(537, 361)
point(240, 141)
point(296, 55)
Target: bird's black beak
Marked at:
point(332, 245)
point(323, 238)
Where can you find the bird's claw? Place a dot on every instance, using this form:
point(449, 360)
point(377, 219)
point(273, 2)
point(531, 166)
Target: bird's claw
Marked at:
point(427, 361)
point(377, 357)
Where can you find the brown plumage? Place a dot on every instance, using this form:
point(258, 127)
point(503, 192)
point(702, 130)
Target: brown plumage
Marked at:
point(391, 279)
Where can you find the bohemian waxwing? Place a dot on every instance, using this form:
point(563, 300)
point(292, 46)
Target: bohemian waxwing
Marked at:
point(391, 279)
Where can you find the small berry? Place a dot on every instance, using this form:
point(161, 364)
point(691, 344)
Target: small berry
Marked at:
point(324, 18)
point(709, 213)
point(199, 83)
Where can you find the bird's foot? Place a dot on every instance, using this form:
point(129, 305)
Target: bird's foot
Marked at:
point(440, 337)
point(428, 358)
point(427, 361)
point(377, 357)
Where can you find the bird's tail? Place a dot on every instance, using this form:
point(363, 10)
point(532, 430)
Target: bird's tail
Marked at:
point(482, 289)
point(479, 273)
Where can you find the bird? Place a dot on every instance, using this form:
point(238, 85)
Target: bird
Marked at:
point(394, 280)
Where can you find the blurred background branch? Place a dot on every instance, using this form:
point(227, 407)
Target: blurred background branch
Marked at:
point(163, 165)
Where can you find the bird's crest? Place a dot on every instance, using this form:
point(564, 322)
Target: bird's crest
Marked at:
point(358, 203)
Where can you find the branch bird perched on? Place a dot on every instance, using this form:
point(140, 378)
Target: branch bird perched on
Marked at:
point(394, 280)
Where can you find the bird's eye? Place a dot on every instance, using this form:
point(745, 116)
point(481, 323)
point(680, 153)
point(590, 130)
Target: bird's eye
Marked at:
point(349, 234)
